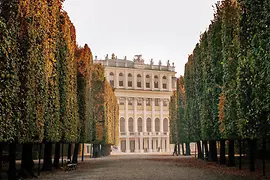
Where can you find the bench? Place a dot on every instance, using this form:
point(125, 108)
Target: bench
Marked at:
point(70, 166)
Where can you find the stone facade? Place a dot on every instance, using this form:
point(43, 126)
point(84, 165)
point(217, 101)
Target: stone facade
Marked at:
point(143, 92)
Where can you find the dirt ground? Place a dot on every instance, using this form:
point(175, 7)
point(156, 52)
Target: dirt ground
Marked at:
point(152, 167)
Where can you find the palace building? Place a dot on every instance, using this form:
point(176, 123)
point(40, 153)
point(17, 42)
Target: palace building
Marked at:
point(143, 92)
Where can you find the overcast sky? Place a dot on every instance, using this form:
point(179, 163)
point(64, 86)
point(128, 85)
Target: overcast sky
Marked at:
point(159, 29)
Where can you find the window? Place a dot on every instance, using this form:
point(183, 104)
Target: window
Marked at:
point(148, 100)
point(130, 125)
point(88, 149)
point(139, 80)
point(139, 125)
point(121, 79)
point(139, 102)
point(122, 125)
point(164, 82)
point(147, 81)
point(165, 104)
point(130, 102)
point(129, 80)
point(157, 125)
point(165, 125)
point(156, 102)
point(122, 103)
point(111, 78)
point(148, 125)
point(156, 81)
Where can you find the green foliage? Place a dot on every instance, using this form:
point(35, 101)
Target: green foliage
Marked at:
point(105, 109)
point(9, 69)
point(85, 100)
point(227, 76)
point(230, 51)
point(69, 117)
point(253, 71)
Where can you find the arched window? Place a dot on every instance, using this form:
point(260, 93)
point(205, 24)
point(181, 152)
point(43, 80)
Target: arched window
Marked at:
point(156, 81)
point(129, 80)
point(111, 78)
point(165, 125)
point(164, 82)
point(122, 124)
point(139, 80)
point(121, 79)
point(157, 125)
point(147, 81)
point(130, 125)
point(139, 124)
point(148, 125)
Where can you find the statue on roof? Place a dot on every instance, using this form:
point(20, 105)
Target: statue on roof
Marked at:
point(113, 56)
point(159, 62)
point(151, 61)
point(168, 63)
point(107, 56)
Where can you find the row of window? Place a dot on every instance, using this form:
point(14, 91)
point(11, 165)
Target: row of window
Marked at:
point(148, 125)
point(148, 102)
point(139, 81)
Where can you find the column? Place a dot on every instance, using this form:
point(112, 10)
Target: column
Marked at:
point(126, 79)
point(168, 144)
point(144, 115)
point(161, 116)
point(116, 85)
point(155, 145)
point(160, 82)
point(143, 81)
point(141, 144)
point(136, 145)
point(152, 81)
point(169, 82)
point(163, 144)
point(135, 115)
point(153, 116)
point(127, 145)
point(134, 81)
point(126, 115)
point(150, 144)
point(159, 145)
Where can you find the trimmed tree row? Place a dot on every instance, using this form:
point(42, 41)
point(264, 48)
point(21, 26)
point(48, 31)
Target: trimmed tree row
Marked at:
point(47, 91)
point(226, 85)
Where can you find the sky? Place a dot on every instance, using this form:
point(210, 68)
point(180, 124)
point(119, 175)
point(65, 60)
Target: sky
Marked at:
point(159, 29)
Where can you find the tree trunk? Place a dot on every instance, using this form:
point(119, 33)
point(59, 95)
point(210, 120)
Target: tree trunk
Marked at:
point(178, 148)
point(231, 157)
point(82, 151)
point(183, 149)
point(213, 151)
point(12, 162)
point(264, 154)
point(240, 153)
point(199, 149)
point(206, 150)
point(75, 153)
point(47, 160)
point(56, 162)
point(69, 150)
point(99, 154)
point(222, 152)
point(202, 157)
point(252, 154)
point(1, 156)
point(188, 149)
point(27, 162)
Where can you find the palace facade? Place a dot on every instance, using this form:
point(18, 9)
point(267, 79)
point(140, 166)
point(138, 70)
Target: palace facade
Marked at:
point(143, 92)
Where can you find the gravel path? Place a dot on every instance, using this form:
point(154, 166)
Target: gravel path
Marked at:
point(133, 167)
